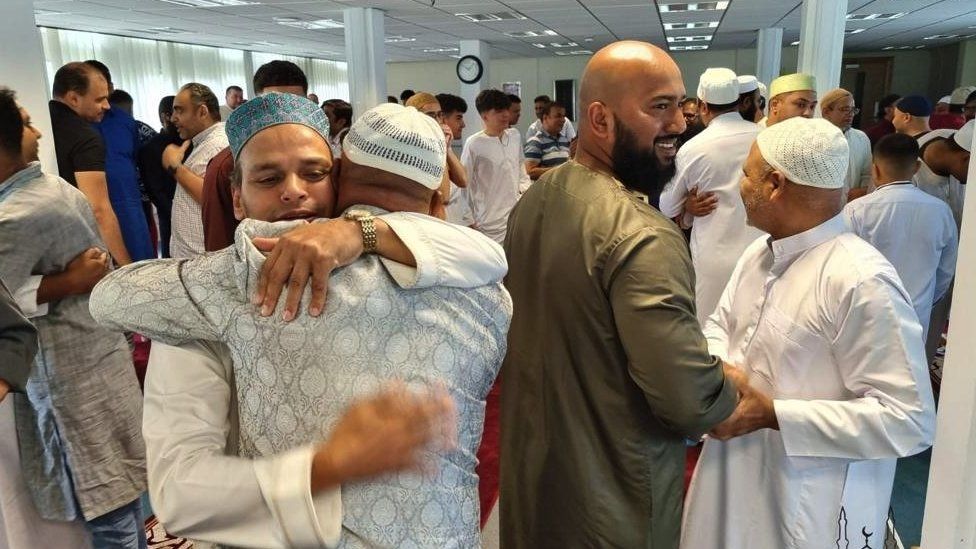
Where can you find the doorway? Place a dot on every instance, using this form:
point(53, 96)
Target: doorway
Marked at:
point(869, 80)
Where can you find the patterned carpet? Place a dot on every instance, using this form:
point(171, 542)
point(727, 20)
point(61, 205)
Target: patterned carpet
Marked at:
point(157, 538)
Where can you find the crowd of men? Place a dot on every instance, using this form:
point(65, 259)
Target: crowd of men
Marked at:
point(334, 302)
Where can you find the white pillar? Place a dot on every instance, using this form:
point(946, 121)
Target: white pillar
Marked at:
point(249, 72)
point(479, 49)
point(950, 504)
point(22, 67)
point(365, 57)
point(822, 41)
point(768, 54)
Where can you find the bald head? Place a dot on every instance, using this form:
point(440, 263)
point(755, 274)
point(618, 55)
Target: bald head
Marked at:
point(629, 96)
point(614, 72)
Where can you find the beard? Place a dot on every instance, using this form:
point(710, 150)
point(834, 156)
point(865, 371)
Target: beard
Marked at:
point(639, 169)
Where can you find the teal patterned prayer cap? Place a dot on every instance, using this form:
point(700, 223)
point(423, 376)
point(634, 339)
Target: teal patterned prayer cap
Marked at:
point(271, 109)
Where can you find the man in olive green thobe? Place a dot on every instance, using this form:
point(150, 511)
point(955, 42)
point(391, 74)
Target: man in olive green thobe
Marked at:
point(607, 370)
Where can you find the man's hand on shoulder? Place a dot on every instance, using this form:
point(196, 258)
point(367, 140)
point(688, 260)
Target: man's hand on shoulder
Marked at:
point(311, 251)
point(388, 432)
point(700, 204)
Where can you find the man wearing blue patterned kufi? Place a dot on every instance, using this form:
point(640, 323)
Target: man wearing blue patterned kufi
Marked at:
point(442, 323)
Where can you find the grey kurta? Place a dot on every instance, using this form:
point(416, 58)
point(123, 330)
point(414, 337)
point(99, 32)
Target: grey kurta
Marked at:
point(83, 399)
point(18, 342)
point(607, 369)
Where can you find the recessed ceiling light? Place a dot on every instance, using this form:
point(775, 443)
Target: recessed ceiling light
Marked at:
point(694, 6)
point(853, 31)
point(167, 30)
point(499, 16)
point(398, 39)
point(590, 38)
point(870, 16)
point(439, 50)
point(540, 46)
point(797, 43)
point(689, 48)
point(574, 52)
point(563, 44)
point(689, 26)
point(941, 36)
point(702, 38)
point(317, 24)
point(210, 3)
point(531, 34)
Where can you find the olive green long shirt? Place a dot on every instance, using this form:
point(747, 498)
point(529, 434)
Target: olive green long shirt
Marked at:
point(607, 369)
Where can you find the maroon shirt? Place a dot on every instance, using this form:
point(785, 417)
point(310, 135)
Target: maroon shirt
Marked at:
point(946, 121)
point(880, 129)
point(219, 222)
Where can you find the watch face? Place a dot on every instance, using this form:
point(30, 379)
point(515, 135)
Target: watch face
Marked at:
point(469, 69)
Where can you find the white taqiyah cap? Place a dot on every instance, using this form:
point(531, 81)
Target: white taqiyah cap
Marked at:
point(399, 140)
point(718, 87)
point(811, 152)
point(945, 99)
point(748, 83)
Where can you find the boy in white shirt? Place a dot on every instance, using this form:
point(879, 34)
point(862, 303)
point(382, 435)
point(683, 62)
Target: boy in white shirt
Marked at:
point(495, 164)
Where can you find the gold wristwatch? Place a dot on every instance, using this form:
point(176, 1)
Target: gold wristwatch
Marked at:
point(365, 220)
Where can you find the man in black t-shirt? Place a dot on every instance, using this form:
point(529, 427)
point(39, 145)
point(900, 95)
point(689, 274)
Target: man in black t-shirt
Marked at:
point(160, 185)
point(80, 99)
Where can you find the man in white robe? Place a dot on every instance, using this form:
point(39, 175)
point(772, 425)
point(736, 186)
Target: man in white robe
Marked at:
point(827, 332)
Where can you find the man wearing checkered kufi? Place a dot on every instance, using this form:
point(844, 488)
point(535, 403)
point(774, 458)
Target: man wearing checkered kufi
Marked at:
point(826, 333)
point(288, 481)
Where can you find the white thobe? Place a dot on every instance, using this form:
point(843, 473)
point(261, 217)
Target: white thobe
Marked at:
point(916, 233)
point(820, 322)
point(712, 161)
point(198, 485)
point(496, 180)
point(859, 168)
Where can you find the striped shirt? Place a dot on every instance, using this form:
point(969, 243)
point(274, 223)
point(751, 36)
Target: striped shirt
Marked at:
point(547, 150)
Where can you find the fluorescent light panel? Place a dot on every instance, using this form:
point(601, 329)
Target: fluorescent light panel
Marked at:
point(316, 24)
point(563, 44)
point(531, 34)
point(210, 3)
point(498, 16)
point(702, 38)
point(693, 6)
point(689, 48)
point(941, 36)
point(439, 50)
point(690, 26)
point(853, 31)
point(872, 16)
point(575, 52)
point(399, 39)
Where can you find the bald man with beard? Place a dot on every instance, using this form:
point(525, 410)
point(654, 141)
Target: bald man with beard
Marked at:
point(607, 370)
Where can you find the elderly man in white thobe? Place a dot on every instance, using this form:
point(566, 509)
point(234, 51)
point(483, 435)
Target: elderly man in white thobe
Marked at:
point(911, 228)
point(837, 107)
point(711, 163)
point(834, 350)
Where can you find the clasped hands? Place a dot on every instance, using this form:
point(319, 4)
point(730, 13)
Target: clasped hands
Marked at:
point(753, 412)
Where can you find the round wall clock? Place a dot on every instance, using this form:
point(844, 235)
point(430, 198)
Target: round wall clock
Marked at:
point(470, 69)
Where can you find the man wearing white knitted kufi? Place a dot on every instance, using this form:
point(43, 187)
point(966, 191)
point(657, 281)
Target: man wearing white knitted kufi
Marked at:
point(710, 165)
point(281, 485)
point(828, 334)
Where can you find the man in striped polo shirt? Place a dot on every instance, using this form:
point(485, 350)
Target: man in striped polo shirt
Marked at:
point(548, 147)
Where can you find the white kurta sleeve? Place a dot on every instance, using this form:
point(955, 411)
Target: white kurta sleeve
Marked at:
point(879, 351)
point(26, 298)
point(446, 254)
point(716, 328)
point(198, 490)
point(672, 201)
point(947, 262)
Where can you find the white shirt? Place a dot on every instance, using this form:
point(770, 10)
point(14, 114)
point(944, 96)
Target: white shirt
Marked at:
point(819, 322)
point(859, 169)
point(187, 237)
point(712, 161)
point(198, 485)
point(496, 179)
point(568, 131)
point(916, 233)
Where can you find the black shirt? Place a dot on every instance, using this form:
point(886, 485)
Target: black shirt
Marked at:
point(77, 144)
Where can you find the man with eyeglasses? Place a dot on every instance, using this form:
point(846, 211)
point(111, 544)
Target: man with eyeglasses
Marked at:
point(837, 107)
point(791, 95)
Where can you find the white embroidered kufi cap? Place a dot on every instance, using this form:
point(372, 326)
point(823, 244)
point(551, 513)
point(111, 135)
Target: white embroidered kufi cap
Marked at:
point(718, 87)
point(811, 152)
point(748, 83)
point(399, 140)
